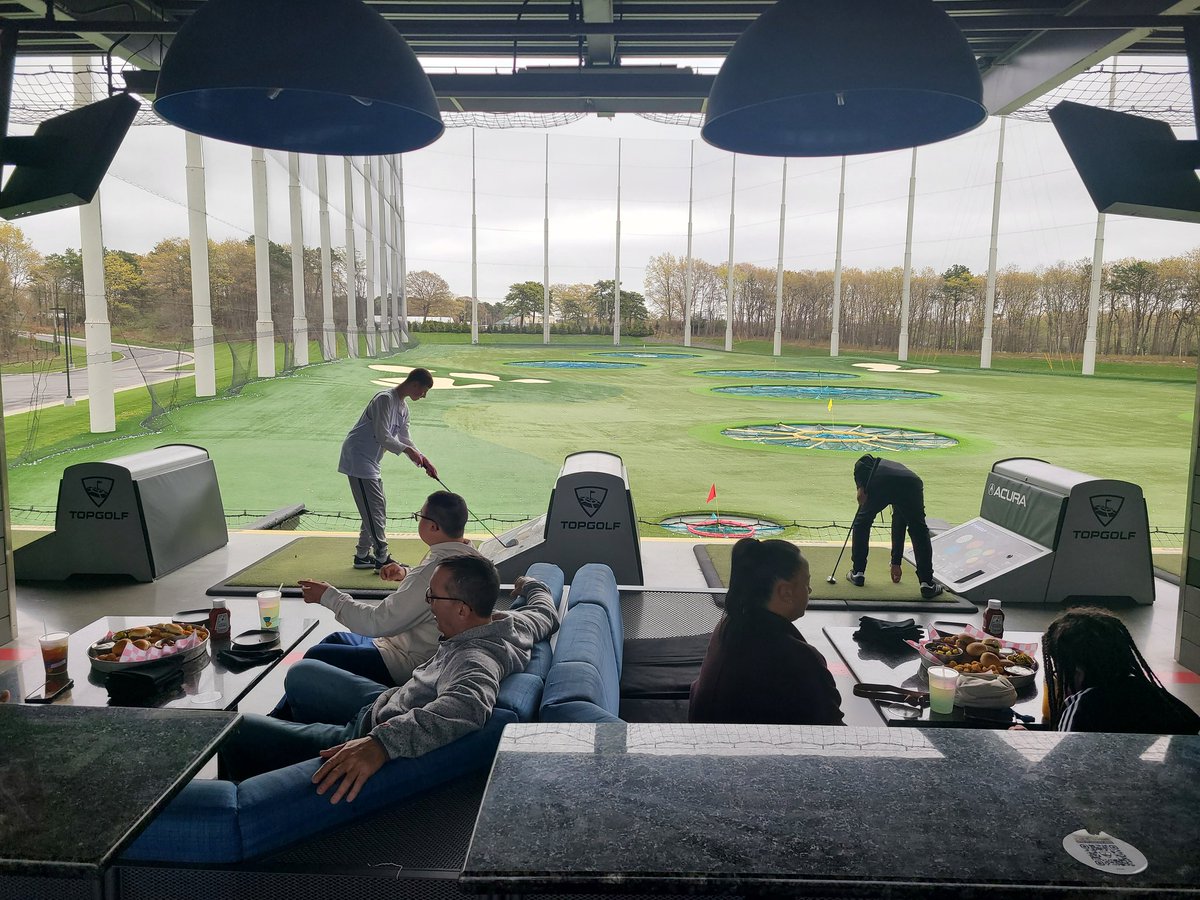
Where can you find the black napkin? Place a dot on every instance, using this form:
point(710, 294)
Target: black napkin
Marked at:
point(240, 660)
point(138, 685)
point(881, 631)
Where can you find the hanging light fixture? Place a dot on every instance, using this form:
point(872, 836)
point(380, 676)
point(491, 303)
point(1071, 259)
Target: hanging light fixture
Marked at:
point(309, 76)
point(840, 77)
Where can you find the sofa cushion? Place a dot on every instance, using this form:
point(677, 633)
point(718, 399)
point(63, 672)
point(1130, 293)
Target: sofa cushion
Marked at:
point(520, 694)
point(595, 584)
point(551, 576)
point(576, 711)
point(539, 660)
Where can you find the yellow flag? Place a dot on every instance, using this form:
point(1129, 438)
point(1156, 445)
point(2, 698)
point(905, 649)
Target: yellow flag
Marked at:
point(830, 404)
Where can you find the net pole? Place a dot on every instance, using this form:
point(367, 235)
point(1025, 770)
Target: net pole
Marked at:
point(689, 273)
point(474, 252)
point(617, 271)
point(989, 293)
point(402, 252)
point(385, 273)
point(369, 216)
point(351, 261)
point(546, 252)
point(778, 348)
point(835, 329)
point(203, 350)
point(264, 327)
point(328, 334)
point(729, 265)
point(906, 293)
point(299, 320)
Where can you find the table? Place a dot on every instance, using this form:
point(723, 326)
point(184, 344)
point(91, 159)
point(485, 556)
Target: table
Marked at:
point(828, 811)
point(202, 675)
point(901, 666)
point(78, 784)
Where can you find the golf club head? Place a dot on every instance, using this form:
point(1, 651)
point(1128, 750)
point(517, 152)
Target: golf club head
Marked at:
point(510, 543)
point(831, 580)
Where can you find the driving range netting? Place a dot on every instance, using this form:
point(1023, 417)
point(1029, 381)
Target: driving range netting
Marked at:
point(854, 438)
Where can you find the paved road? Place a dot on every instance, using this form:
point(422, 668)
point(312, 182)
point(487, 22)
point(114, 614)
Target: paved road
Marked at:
point(138, 366)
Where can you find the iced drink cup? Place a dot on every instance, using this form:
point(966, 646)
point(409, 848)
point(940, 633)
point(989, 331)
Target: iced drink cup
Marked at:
point(942, 682)
point(54, 651)
point(268, 609)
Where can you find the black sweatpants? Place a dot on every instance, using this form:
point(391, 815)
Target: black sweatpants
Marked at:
point(907, 500)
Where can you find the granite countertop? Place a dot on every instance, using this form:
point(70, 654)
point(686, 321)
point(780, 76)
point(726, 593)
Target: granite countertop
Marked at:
point(77, 784)
point(763, 807)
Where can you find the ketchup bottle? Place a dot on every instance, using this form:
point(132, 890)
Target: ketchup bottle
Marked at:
point(993, 619)
point(218, 621)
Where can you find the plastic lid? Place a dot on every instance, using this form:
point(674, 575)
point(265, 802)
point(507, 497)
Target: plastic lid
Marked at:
point(219, 603)
point(992, 604)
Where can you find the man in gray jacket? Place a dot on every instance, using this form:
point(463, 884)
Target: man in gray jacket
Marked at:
point(357, 725)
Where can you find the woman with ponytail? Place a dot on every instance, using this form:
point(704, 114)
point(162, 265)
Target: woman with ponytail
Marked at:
point(1096, 680)
point(759, 668)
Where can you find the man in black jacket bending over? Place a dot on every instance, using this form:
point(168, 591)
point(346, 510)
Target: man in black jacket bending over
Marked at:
point(880, 483)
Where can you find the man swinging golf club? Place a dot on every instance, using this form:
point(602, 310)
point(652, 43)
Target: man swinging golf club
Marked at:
point(880, 483)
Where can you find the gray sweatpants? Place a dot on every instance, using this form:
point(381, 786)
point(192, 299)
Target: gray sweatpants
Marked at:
point(372, 507)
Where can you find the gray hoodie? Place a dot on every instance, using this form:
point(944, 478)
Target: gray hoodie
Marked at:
point(453, 693)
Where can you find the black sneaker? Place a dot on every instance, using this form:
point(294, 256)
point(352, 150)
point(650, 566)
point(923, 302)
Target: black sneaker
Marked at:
point(858, 579)
point(929, 591)
point(365, 562)
point(380, 563)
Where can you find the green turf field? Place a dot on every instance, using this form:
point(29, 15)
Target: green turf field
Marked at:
point(502, 445)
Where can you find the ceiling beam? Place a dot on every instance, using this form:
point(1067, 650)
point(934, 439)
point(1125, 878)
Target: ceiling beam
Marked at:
point(138, 47)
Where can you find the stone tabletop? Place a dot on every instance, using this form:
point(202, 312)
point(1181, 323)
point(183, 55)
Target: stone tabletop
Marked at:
point(689, 808)
point(77, 784)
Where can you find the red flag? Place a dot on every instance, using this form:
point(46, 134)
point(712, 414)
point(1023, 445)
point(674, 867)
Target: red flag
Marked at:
point(712, 494)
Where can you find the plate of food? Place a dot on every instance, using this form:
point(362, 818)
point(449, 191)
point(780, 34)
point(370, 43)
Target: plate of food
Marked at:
point(971, 652)
point(148, 645)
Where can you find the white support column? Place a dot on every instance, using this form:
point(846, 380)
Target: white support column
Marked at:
point(729, 265)
point(778, 350)
point(546, 253)
point(474, 252)
point(264, 327)
point(385, 281)
point(906, 293)
point(689, 273)
point(1093, 316)
point(299, 317)
point(328, 332)
point(617, 266)
point(97, 329)
point(351, 263)
point(401, 257)
point(835, 331)
point(203, 350)
point(989, 291)
point(369, 216)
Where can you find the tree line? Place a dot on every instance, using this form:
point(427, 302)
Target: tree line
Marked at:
point(1146, 307)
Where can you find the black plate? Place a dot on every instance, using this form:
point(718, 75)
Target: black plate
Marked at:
point(191, 617)
point(256, 640)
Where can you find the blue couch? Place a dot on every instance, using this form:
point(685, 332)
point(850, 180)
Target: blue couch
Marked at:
point(222, 822)
point(584, 681)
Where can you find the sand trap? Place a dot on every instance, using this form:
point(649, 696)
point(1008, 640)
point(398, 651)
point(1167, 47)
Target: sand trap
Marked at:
point(439, 384)
point(401, 370)
point(892, 367)
point(529, 381)
point(478, 376)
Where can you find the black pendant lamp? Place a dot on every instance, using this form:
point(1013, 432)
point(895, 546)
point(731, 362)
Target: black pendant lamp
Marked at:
point(840, 77)
point(309, 76)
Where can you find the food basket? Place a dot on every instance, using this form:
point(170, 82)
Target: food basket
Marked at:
point(166, 647)
point(1019, 680)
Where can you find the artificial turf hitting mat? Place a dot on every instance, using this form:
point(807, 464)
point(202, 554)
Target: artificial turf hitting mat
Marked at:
point(319, 558)
point(878, 593)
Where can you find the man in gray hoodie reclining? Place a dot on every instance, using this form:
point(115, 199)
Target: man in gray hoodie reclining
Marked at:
point(356, 725)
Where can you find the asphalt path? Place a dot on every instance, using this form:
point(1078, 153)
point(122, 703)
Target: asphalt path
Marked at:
point(137, 367)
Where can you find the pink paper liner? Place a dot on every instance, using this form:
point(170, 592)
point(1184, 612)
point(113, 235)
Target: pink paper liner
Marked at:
point(976, 633)
point(132, 654)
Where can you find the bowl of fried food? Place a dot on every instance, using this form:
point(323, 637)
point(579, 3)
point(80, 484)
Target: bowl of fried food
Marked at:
point(148, 645)
point(945, 652)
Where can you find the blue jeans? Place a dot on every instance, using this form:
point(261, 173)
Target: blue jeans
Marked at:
point(343, 650)
point(330, 706)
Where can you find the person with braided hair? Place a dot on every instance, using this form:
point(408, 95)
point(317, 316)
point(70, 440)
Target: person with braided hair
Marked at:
point(1097, 680)
point(758, 668)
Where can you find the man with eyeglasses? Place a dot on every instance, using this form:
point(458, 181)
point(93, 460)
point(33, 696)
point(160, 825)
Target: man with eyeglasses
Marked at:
point(357, 726)
point(387, 640)
point(382, 428)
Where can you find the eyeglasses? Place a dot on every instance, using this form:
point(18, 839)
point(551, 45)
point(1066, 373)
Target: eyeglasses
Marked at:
point(430, 596)
point(417, 517)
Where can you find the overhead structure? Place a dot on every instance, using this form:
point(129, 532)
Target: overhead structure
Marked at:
point(307, 76)
point(844, 77)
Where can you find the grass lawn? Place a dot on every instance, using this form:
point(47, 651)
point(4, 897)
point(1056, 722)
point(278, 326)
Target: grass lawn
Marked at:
point(501, 446)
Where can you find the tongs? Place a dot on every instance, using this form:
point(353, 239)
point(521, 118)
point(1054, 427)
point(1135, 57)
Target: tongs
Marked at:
point(887, 693)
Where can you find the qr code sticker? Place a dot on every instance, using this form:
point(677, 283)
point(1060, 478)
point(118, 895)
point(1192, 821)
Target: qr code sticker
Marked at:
point(1107, 855)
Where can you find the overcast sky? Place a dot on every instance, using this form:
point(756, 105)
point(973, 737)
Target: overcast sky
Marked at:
point(1046, 215)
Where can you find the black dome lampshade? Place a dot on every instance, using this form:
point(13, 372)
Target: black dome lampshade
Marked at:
point(840, 77)
point(309, 76)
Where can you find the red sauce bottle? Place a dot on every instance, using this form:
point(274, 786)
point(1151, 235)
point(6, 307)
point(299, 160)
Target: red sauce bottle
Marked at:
point(218, 621)
point(993, 619)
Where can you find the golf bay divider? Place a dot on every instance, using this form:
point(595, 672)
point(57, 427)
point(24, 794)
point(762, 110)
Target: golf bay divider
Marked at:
point(1046, 534)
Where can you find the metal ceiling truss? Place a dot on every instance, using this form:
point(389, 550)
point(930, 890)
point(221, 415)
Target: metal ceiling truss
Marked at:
point(1024, 48)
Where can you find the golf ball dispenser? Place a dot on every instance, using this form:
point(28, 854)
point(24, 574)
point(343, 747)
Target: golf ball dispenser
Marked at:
point(590, 518)
point(1046, 534)
point(142, 515)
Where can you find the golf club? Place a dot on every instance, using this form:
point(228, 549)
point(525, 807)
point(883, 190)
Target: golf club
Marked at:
point(831, 579)
point(511, 542)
